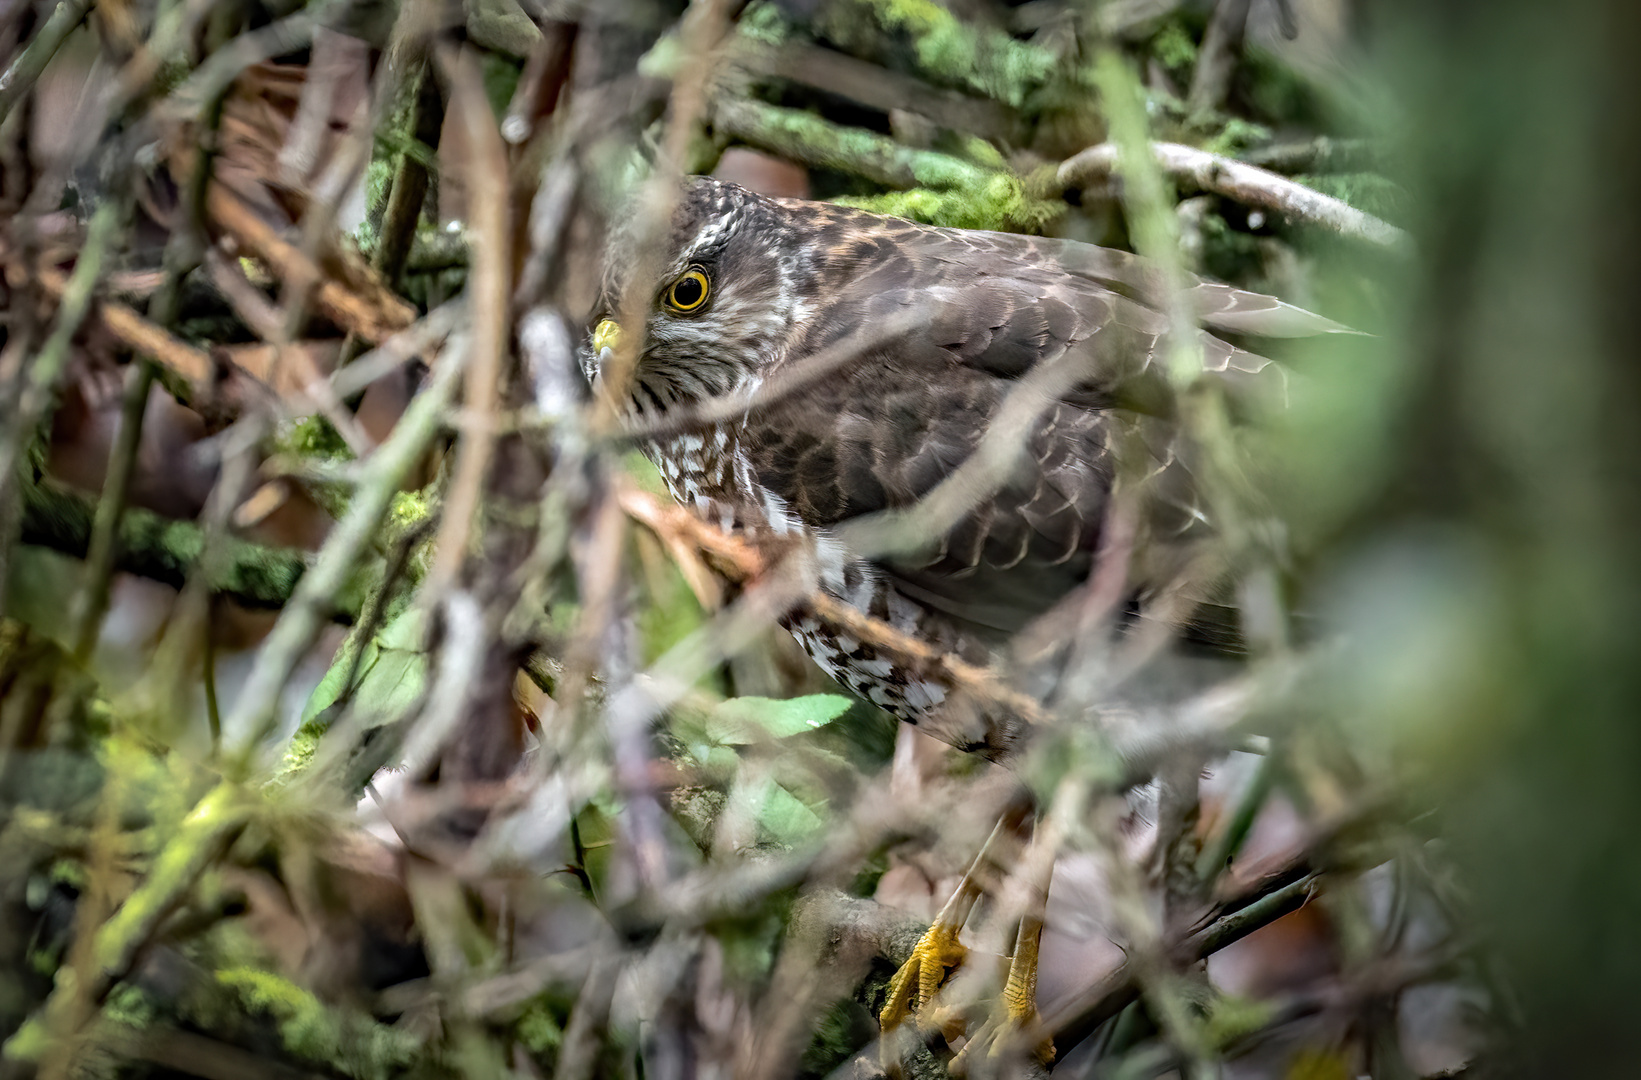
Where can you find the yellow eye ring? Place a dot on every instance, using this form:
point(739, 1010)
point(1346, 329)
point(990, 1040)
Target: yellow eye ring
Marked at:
point(690, 291)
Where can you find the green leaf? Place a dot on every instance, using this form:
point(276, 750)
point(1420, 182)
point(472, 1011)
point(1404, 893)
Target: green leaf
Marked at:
point(330, 687)
point(785, 817)
point(741, 720)
point(391, 686)
point(392, 671)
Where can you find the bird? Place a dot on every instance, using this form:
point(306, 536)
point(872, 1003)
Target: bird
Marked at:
point(811, 369)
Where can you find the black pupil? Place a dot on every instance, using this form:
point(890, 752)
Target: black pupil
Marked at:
point(687, 293)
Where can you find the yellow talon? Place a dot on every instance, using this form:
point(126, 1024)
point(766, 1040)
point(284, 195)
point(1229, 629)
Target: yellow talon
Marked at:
point(606, 335)
point(919, 978)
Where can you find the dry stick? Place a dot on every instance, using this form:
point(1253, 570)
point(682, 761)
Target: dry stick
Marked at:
point(701, 30)
point(374, 317)
point(91, 603)
point(1148, 208)
point(419, 337)
point(1322, 154)
point(485, 175)
point(410, 178)
point(181, 257)
point(1246, 184)
point(877, 87)
point(741, 561)
point(380, 478)
point(18, 79)
point(193, 367)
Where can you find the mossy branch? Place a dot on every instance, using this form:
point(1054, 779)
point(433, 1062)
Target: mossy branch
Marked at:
point(166, 550)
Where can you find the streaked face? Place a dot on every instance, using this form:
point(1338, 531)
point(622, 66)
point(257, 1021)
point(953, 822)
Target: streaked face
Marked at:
point(728, 298)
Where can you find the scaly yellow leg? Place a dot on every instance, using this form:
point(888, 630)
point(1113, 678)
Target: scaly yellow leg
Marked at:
point(921, 976)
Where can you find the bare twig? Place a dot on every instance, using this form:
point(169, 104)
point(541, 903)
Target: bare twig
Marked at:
point(486, 180)
point(374, 315)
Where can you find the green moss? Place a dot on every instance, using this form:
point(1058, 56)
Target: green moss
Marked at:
point(802, 136)
point(313, 436)
point(1235, 135)
point(130, 1006)
point(987, 61)
point(764, 23)
point(539, 1029)
point(306, 1025)
point(1001, 202)
point(1174, 47)
point(344, 1040)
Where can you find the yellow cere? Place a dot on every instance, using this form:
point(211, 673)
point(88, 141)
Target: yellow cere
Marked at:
point(607, 335)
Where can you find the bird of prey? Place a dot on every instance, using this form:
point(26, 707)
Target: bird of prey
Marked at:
point(808, 368)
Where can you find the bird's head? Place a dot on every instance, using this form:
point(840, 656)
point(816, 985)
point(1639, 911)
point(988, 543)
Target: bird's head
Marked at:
point(729, 286)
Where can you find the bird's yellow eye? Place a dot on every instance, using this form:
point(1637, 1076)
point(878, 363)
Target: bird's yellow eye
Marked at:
point(690, 291)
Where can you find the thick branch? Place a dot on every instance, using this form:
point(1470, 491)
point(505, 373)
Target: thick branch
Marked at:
point(1246, 184)
point(166, 550)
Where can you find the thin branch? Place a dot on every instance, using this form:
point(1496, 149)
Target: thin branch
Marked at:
point(1247, 184)
point(374, 314)
point(485, 178)
point(19, 78)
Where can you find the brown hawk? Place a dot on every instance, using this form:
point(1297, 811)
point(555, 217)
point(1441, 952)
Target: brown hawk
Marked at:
point(752, 288)
point(809, 368)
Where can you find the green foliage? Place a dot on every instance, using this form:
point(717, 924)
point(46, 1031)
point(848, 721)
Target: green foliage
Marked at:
point(745, 720)
point(742, 719)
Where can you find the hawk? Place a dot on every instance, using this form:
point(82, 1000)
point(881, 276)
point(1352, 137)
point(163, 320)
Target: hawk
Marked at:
point(753, 289)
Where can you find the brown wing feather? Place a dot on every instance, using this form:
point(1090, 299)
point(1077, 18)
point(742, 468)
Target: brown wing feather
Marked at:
point(883, 433)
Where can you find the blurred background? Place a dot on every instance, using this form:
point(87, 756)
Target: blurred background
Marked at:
point(367, 709)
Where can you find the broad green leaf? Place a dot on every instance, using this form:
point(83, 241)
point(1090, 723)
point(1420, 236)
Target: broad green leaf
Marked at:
point(741, 720)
